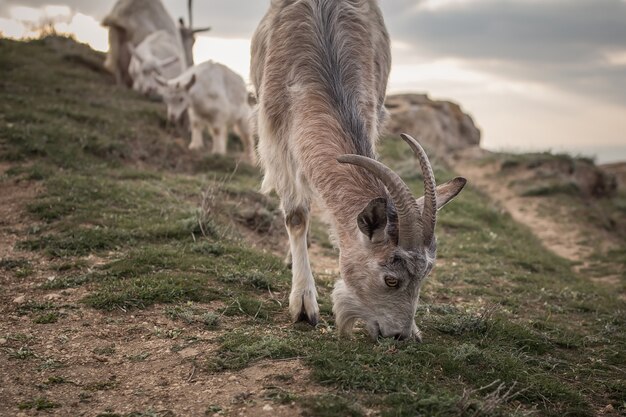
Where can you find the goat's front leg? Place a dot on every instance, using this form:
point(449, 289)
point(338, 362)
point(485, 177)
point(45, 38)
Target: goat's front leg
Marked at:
point(196, 131)
point(303, 298)
point(220, 139)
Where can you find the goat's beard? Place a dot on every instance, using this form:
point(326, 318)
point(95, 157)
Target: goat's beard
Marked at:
point(347, 310)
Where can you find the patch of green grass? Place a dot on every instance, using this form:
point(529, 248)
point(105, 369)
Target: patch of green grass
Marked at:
point(13, 264)
point(33, 172)
point(35, 307)
point(194, 315)
point(150, 413)
point(278, 395)
point(254, 308)
point(23, 353)
point(66, 282)
point(21, 338)
point(240, 348)
point(38, 404)
point(147, 290)
point(165, 333)
point(198, 272)
point(101, 385)
point(46, 118)
point(139, 357)
point(329, 405)
point(212, 409)
point(20, 267)
point(534, 160)
point(46, 318)
point(50, 364)
point(57, 380)
point(108, 350)
point(253, 279)
point(226, 165)
point(552, 189)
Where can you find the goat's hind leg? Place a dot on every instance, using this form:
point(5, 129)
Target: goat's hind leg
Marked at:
point(303, 298)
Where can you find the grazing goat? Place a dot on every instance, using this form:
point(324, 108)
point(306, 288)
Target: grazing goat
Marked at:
point(158, 54)
point(217, 99)
point(320, 70)
point(130, 22)
point(188, 33)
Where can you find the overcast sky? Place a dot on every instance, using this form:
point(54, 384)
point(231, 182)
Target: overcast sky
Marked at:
point(535, 74)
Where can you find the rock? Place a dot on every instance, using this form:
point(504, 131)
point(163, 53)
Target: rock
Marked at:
point(189, 352)
point(441, 126)
point(617, 170)
point(232, 378)
point(20, 300)
point(3, 341)
point(53, 296)
point(572, 174)
point(268, 408)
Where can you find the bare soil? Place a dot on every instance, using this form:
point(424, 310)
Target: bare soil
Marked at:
point(96, 362)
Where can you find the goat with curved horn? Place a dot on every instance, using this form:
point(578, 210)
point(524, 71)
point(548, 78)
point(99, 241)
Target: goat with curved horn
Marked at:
point(320, 70)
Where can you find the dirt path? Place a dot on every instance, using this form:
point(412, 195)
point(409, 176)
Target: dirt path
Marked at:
point(555, 224)
point(561, 237)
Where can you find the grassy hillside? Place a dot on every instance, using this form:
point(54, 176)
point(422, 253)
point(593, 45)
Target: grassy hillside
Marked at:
point(139, 279)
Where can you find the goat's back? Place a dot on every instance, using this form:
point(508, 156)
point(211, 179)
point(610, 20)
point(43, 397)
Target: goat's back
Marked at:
point(140, 18)
point(327, 58)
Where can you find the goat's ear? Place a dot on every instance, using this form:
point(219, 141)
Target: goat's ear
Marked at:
point(191, 82)
point(373, 220)
point(446, 192)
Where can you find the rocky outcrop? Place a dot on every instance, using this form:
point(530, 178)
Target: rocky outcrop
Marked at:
point(441, 126)
point(618, 170)
point(545, 173)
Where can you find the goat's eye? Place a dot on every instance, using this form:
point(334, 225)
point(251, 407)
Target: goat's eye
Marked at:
point(391, 281)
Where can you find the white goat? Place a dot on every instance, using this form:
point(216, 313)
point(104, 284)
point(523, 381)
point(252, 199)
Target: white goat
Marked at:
point(320, 70)
point(158, 54)
point(130, 22)
point(216, 99)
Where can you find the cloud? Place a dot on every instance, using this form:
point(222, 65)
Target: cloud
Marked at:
point(564, 43)
point(231, 18)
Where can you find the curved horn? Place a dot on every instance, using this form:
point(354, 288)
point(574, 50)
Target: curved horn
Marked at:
point(409, 233)
point(429, 214)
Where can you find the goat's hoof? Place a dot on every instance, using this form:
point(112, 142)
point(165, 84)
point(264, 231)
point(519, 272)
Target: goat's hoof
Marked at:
point(312, 319)
point(195, 146)
point(305, 309)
